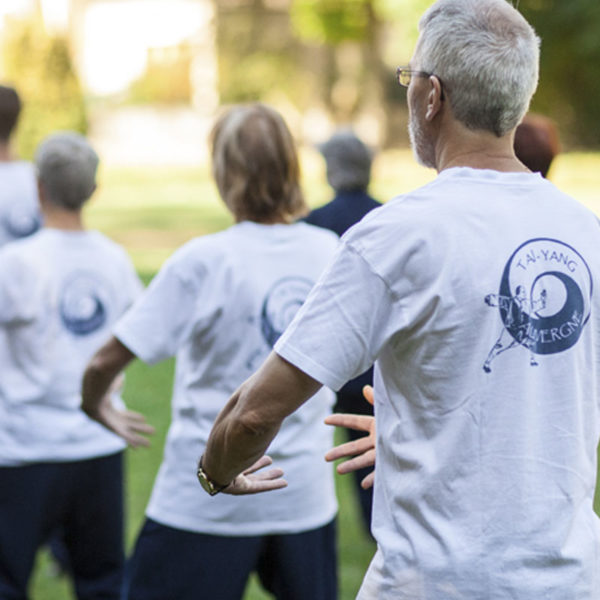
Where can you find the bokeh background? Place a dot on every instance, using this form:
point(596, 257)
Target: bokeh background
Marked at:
point(144, 77)
point(144, 80)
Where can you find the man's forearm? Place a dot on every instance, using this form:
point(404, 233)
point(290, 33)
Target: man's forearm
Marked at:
point(252, 417)
point(235, 442)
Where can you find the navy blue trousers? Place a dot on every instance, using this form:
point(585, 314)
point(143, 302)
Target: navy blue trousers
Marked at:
point(174, 564)
point(84, 500)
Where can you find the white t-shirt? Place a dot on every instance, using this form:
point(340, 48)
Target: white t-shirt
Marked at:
point(19, 207)
point(219, 304)
point(477, 296)
point(60, 293)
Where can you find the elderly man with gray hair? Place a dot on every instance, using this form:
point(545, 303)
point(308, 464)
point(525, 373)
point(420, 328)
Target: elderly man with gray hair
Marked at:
point(486, 469)
point(61, 290)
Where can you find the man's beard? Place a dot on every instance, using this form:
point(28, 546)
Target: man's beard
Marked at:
point(422, 147)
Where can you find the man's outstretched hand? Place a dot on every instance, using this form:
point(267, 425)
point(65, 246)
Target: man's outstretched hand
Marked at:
point(251, 482)
point(361, 450)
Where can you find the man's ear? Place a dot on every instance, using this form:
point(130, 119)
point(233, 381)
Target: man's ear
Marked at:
point(434, 98)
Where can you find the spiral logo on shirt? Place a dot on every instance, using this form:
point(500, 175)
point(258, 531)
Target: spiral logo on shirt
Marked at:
point(83, 304)
point(544, 299)
point(22, 221)
point(281, 305)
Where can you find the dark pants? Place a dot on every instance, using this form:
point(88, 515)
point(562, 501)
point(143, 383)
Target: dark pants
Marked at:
point(84, 499)
point(181, 565)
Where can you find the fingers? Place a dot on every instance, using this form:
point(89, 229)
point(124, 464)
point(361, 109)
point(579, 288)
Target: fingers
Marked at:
point(135, 441)
point(365, 460)
point(144, 428)
point(358, 422)
point(254, 484)
point(263, 461)
point(251, 482)
point(368, 394)
point(368, 481)
point(349, 449)
point(131, 426)
point(137, 422)
point(134, 417)
point(268, 475)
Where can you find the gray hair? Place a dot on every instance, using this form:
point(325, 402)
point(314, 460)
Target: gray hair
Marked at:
point(487, 57)
point(66, 166)
point(348, 161)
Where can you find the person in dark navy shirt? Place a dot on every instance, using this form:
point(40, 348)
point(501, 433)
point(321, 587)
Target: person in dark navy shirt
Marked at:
point(348, 162)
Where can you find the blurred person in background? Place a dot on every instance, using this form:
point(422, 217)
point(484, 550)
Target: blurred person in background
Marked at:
point(19, 207)
point(348, 170)
point(348, 167)
point(485, 476)
point(61, 290)
point(219, 305)
point(537, 143)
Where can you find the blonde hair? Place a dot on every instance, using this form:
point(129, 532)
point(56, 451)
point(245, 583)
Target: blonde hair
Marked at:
point(255, 165)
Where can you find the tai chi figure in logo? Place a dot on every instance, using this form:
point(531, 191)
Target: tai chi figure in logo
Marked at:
point(517, 309)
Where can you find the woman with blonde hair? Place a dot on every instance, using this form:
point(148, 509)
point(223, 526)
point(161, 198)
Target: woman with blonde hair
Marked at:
point(219, 304)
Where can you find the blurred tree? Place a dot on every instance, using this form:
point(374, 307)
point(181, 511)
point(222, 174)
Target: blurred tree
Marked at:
point(349, 34)
point(338, 56)
point(341, 55)
point(332, 21)
point(166, 79)
point(257, 53)
point(40, 67)
point(569, 84)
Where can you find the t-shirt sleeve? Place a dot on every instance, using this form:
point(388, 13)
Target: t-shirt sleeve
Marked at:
point(161, 319)
point(344, 323)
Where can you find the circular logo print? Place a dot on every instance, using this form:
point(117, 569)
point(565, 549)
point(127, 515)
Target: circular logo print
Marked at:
point(281, 305)
point(83, 304)
point(22, 221)
point(545, 295)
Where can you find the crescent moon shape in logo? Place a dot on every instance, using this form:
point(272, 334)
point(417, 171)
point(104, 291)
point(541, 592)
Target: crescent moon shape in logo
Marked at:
point(541, 333)
point(280, 306)
point(21, 223)
point(87, 325)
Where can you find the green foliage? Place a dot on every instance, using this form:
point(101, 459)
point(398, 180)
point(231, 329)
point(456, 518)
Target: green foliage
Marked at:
point(330, 21)
point(250, 77)
point(167, 78)
point(570, 53)
point(259, 57)
point(40, 67)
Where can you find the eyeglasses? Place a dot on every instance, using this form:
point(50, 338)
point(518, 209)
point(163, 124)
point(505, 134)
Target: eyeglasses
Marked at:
point(405, 74)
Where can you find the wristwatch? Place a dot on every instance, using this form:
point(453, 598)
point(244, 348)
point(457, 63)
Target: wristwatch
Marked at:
point(207, 484)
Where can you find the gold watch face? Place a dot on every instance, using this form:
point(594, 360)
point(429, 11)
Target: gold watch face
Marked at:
point(206, 484)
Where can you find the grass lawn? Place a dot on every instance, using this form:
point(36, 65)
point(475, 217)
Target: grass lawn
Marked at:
point(152, 212)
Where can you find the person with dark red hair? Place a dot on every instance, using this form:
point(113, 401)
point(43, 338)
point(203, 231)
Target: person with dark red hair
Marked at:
point(536, 143)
